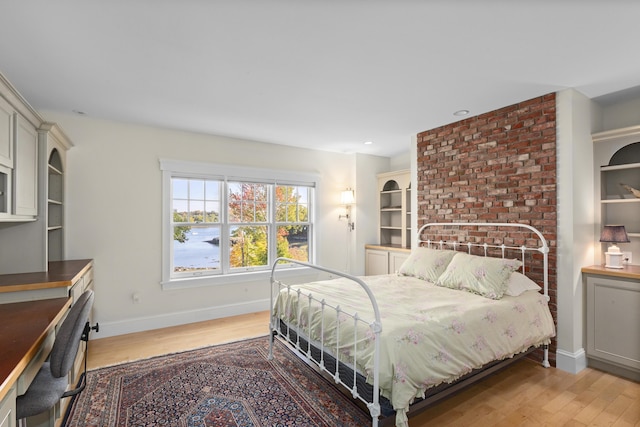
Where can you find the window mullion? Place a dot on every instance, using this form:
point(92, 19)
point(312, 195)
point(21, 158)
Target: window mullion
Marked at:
point(224, 238)
point(272, 228)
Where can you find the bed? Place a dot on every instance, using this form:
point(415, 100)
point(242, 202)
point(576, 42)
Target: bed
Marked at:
point(470, 298)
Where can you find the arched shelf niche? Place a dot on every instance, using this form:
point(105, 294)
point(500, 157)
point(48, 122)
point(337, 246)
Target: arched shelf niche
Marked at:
point(55, 207)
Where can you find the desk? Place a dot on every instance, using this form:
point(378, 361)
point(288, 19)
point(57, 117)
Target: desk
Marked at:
point(24, 327)
point(56, 282)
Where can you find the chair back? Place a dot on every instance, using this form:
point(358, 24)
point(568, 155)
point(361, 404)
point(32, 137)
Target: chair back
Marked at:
point(69, 334)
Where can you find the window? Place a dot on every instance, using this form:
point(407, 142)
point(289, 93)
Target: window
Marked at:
point(224, 221)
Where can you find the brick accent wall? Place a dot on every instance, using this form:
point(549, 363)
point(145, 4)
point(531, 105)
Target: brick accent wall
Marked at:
point(496, 167)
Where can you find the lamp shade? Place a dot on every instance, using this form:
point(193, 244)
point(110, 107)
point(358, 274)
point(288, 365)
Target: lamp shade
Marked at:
point(614, 234)
point(346, 197)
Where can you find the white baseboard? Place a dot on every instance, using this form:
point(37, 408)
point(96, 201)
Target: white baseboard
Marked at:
point(140, 324)
point(571, 362)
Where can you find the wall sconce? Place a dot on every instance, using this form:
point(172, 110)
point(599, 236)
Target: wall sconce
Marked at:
point(347, 199)
point(613, 234)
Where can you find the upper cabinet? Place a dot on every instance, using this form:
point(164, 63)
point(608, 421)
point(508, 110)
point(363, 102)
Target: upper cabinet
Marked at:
point(25, 176)
point(395, 209)
point(6, 133)
point(18, 157)
point(617, 160)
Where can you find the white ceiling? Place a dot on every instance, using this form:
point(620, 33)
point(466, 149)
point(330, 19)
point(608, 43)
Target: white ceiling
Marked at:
point(326, 74)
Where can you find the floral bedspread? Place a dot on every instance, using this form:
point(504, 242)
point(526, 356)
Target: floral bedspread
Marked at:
point(430, 334)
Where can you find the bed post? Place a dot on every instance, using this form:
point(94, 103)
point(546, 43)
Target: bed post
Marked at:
point(545, 360)
point(272, 322)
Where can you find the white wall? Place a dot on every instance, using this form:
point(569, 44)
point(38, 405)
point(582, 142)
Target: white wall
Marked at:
point(575, 223)
point(367, 212)
point(620, 115)
point(402, 161)
point(113, 209)
point(578, 161)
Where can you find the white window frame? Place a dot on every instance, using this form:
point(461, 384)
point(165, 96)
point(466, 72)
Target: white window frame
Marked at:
point(197, 170)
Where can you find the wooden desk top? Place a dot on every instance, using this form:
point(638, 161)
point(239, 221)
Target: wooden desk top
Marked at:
point(23, 328)
point(60, 274)
point(387, 247)
point(628, 272)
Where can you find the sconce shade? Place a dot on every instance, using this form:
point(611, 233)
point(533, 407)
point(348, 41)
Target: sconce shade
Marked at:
point(346, 197)
point(614, 234)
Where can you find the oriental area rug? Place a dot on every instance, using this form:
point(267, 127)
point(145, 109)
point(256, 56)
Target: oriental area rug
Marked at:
point(229, 385)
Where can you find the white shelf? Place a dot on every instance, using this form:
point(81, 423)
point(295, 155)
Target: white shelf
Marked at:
point(54, 171)
point(634, 200)
point(394, 202)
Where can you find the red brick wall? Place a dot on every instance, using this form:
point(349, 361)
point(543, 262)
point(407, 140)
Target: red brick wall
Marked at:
point(496, 167)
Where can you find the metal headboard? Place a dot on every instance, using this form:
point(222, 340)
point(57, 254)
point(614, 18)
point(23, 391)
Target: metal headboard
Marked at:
point(454, 230)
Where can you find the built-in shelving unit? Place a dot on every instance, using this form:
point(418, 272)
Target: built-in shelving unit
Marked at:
point(386, 256)
point(617, 160)
point(395, 215)
point(620, 205)
point(55, 205)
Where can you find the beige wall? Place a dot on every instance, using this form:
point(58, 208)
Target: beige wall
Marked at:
point(113, 208)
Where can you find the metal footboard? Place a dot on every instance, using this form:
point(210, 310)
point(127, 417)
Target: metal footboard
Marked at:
point(295, 334)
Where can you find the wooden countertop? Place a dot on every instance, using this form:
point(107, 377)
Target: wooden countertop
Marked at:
point(23, 328)
point(387, 247)
point(628, 272)
point(60, 274)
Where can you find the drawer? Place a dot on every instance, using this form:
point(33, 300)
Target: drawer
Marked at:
point(82, 284)
point(88, 279)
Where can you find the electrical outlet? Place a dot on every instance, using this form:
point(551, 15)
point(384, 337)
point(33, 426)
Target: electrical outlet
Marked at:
point(626, 258)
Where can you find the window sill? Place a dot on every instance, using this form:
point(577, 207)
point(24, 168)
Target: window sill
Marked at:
point(227, 279)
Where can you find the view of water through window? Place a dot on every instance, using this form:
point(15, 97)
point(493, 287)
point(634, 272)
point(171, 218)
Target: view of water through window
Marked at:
point(201, 250)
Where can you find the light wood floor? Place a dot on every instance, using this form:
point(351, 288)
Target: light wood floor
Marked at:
point(524, 394)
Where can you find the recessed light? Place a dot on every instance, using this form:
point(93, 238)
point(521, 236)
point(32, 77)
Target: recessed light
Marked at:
point(461, 113)
point(368, 142)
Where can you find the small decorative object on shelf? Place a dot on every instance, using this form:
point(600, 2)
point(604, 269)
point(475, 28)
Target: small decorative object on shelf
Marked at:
point(632, 190)
point(614, 234)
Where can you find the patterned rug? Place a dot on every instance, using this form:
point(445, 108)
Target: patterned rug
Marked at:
point(230, 385)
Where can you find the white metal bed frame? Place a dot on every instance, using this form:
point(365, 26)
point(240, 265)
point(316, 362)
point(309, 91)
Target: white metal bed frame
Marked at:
point(295, 336)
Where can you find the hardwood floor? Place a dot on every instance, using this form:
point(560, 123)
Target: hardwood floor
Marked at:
point(525, 394)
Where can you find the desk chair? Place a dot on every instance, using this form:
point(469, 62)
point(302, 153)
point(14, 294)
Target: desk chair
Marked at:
point(50, 383)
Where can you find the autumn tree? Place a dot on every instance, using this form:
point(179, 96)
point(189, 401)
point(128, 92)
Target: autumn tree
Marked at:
point(248, 204)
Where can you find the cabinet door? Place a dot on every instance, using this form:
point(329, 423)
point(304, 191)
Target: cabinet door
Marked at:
point(395, 260)
point(25, 183)
point(376, 262)
point(6, 134)
point(613, 314)
point(8, 409)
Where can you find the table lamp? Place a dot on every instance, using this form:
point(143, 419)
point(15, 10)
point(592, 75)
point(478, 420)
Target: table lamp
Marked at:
point(613, 234)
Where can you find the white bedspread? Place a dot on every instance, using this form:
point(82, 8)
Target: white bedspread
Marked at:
point(430, 334)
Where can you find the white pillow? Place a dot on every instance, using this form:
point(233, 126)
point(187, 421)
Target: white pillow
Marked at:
point(519, 283)
point(426, 264)
point(481, 275)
